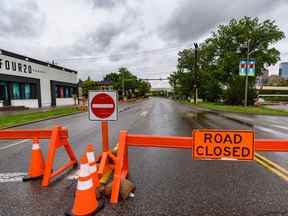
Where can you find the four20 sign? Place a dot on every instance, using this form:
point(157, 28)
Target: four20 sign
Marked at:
point(103, 106)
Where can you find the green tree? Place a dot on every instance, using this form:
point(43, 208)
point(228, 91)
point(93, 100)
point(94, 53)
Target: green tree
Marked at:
point(88, 85)
point(219, 58)
point(125, 80)
point(184, 79)
point(143, 88)
point(173, 79)
point(226, 44)
point(115, 78)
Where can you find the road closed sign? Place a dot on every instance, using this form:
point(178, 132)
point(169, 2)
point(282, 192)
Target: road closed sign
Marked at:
point(103, 106)
point(223, 145)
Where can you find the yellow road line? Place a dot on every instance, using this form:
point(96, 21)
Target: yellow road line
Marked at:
point(273, 167)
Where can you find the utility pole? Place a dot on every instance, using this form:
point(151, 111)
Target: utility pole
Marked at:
point(196, 74)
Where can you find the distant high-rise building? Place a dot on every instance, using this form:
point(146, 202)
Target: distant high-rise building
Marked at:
point(283, 70)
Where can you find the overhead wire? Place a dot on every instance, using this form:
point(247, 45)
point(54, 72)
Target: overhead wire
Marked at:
point(144, 52)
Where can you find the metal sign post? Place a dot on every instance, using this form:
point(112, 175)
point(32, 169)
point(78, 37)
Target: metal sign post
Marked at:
point(105, 135)
point(103, 107)
point(247, 68)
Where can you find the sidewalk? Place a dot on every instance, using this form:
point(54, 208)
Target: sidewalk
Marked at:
point(279, 106)
point(279, 123)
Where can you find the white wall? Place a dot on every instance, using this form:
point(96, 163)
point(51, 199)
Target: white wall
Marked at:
point(64, 101)
point(1, 103)
point(45, 89)
point(31, 103)
point(42, 72)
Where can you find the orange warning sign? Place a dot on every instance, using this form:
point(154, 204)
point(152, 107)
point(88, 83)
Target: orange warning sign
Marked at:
point(223, 145)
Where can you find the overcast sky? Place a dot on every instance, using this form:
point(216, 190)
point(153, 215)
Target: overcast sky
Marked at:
point(96, 37)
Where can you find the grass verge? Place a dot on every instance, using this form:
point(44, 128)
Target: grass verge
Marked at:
point(30, 117)
point(261, 110)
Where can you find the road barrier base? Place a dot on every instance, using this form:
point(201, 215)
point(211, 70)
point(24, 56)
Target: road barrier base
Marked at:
point(56, 142)
point(126, 187)
point(28, 178)
point(38, 168)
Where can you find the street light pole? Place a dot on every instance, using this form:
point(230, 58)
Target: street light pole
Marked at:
point(196, 74)
point(123, 86)
point(246, 77)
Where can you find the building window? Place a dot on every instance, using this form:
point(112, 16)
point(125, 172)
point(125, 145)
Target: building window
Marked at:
point(16, 90)
point(63, 92)
point(27, 91)
point(56, 91)
point(24, 91)
point(3, 91)
point(33, 93)
point(67, 92)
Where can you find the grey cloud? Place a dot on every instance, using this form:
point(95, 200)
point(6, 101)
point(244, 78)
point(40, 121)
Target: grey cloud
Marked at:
point(131, 46)
point(97, 44)
point(98, 41)
point(23, 19)
point(105, 35)
point(194, 18)
point(106, 3)
point(103, 38)
point(94, 43)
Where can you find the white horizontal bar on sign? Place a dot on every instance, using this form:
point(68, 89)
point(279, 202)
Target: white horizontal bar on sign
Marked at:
point(95, 106)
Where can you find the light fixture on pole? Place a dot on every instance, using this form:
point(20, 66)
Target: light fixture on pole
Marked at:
point(249, 68)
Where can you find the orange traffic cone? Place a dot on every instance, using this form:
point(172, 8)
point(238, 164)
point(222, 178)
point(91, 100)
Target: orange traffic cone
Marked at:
point(92, 165)
point(37, 164)
point(85, 201)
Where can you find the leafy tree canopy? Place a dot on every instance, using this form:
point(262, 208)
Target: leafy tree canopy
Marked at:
point(125, 80)
point(219, 57)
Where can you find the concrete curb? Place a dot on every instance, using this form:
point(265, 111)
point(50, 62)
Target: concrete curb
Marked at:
point(230, 118)
point(220, 113)
point(124, 109)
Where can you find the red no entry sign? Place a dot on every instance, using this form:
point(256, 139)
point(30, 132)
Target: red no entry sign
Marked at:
point(102, 105)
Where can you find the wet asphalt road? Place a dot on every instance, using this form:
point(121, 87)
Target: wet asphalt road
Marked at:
point(168, 181)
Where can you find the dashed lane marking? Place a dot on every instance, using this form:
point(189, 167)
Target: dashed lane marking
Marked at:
point(74, 175)
point(143, 114)
point(13, 144)
point(12, 177)
point(18, 176)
